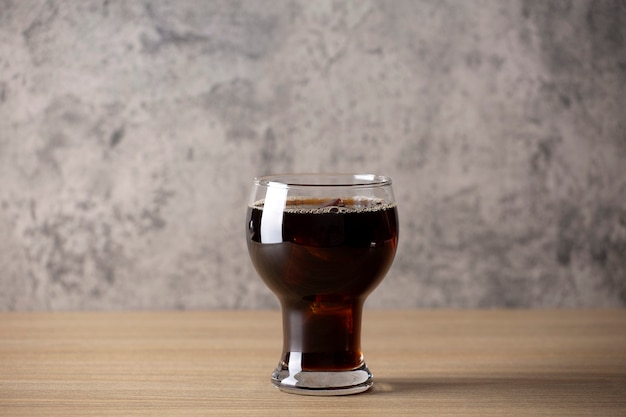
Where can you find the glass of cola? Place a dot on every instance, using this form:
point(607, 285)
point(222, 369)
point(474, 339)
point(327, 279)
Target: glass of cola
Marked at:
point(322, 243)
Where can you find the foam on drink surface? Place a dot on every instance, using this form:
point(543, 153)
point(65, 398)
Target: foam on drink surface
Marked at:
point(309, 205)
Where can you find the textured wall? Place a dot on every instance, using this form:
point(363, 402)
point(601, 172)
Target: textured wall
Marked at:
point(130, 131)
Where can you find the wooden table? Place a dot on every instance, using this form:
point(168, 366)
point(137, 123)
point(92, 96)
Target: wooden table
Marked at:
point(444, 363)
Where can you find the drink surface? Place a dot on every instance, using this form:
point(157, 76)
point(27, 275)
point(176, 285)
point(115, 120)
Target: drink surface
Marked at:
point(329, 255)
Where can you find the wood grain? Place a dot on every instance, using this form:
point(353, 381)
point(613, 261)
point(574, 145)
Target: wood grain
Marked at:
point(448, 363)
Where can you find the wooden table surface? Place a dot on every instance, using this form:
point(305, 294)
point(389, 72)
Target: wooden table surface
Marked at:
point(431, 363)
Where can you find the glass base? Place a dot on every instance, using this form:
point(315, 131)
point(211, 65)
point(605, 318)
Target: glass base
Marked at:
point(294, 380)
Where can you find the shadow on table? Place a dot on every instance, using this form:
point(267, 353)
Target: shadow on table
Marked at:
point(415, 385)
point(531, 385)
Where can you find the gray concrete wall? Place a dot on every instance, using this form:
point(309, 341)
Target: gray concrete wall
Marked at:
point(130, 132)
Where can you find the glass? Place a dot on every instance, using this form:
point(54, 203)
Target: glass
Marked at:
point(322, 243)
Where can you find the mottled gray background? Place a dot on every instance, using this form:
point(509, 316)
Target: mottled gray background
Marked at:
point(130, 132)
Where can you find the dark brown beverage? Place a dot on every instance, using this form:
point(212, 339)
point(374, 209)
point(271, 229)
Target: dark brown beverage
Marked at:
point(322, 257)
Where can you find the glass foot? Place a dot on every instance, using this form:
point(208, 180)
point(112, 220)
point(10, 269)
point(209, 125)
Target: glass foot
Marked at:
point(293, 379)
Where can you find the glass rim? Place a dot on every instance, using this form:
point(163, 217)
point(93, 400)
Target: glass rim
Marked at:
point(305, 180)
